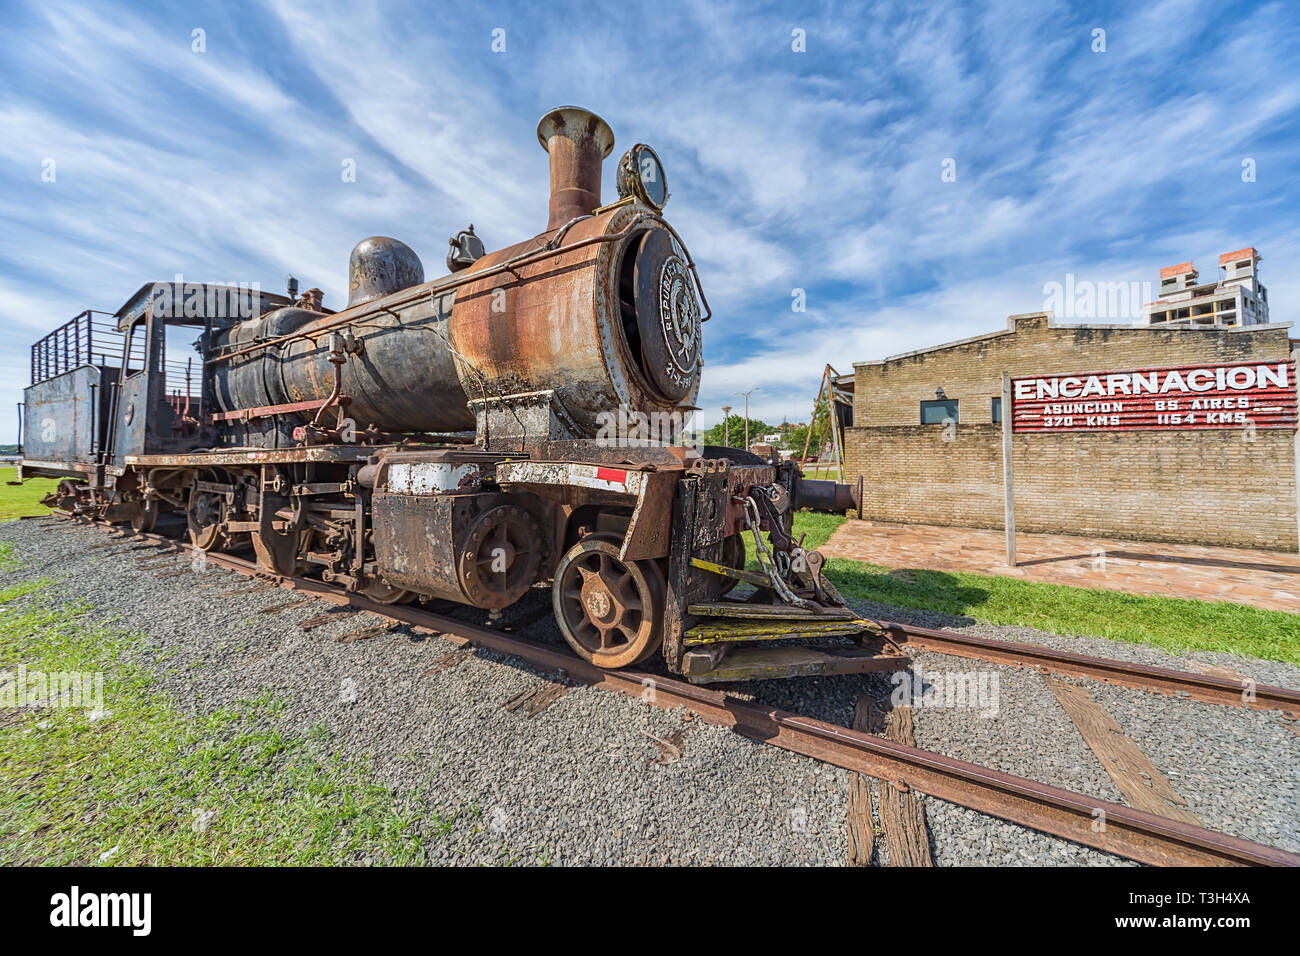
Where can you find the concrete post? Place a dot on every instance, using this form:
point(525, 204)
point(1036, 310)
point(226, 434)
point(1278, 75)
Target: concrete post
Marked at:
point(1008, 481)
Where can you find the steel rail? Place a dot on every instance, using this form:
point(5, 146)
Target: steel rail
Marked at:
point(1201, 687)
point(1101, 824)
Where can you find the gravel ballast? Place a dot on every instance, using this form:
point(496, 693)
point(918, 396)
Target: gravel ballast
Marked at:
point(595, 778)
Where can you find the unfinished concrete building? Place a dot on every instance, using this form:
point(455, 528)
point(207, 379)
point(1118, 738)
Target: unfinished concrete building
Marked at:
point(1235, 299)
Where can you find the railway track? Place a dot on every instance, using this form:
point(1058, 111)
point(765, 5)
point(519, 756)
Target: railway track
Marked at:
point(1104, 825)
point(1202, 687)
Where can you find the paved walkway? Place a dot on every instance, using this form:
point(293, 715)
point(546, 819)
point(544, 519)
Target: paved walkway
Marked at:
point(1268, 579)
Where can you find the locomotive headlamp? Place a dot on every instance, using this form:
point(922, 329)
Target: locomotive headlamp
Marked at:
point(640, 174)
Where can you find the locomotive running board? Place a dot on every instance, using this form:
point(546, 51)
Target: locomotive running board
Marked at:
point(704, 666)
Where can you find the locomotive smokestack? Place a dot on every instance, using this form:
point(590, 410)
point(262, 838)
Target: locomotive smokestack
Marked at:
point(577, 140)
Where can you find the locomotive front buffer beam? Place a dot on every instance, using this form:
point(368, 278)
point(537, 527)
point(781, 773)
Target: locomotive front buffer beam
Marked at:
point(695, 524)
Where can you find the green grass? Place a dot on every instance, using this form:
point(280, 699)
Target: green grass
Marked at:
point(823, 471)
point(8, 557)
point(25, 499)
point(816, 527)
point(1172, 624)
point(144, 783)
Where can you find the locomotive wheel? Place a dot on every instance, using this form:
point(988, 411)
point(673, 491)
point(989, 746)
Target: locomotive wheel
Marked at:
point(204, 516)
point(144, 516)
point(609, 610)
point(382, 593)
point(501, 557)
point(733, 556)
point(276, 550)
point(66, 498)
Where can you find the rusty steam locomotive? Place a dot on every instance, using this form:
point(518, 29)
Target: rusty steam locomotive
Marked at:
point(463, 439)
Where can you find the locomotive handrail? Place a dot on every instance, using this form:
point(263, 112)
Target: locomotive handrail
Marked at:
point(72, 345)
point(438, 287)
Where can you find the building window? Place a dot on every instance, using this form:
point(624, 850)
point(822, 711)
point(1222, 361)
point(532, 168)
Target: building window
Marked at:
point(997, 410)
point(936, 413)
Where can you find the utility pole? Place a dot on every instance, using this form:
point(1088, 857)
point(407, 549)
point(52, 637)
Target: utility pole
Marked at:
point(747, 394)
point(726, 426)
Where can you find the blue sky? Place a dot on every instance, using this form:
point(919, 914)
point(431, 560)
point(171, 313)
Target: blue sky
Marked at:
point(818, 170)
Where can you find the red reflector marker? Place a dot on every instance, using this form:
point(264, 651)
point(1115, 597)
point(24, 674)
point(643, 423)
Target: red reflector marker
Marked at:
point(612, 474)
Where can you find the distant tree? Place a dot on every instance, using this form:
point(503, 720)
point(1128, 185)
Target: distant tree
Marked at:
point(796, 437)
point(736, 426)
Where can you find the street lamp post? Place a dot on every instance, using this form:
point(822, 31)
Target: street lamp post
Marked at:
point(726, 426)
point(747, 394)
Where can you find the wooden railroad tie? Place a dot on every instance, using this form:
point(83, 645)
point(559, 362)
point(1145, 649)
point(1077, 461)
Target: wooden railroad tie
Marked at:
point(1226, 673)
point(861, 822)
point(902, 816)
point(364, 634)
point(277, 608)
point(670, 749)
point(237, 592)
point(533, 700)
point(1136, 777)
point(216, 581)
point(328, 616)
point(450, 660)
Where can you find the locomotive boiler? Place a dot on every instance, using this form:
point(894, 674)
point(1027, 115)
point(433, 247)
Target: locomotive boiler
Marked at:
point(599, 311)
point(519, 422)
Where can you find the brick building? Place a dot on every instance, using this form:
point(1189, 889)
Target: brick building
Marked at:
point(927, 439)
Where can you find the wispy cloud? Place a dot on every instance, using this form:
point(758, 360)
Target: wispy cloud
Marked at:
point(816, 171)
